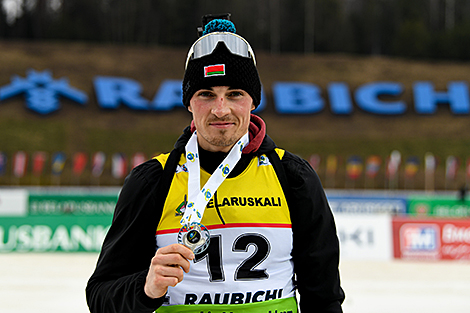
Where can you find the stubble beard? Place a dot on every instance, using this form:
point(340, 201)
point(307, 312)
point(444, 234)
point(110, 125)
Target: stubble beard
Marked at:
point(221, 140)
point(222, 137)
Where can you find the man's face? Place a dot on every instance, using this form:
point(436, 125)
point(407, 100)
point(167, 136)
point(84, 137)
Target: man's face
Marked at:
point(221, 116)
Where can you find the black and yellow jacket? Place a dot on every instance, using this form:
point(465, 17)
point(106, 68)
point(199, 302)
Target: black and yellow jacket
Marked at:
point(271, 229)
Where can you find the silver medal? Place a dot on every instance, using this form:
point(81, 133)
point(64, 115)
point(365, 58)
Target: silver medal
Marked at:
point(196, 237)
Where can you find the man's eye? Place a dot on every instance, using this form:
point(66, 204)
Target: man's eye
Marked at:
point(205, 94)
point(235, 94)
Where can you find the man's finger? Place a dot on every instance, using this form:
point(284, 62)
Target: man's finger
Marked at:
point(169, 271)
point(177, 248)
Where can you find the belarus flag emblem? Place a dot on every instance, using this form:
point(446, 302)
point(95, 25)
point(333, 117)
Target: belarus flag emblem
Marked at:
point(214, 70)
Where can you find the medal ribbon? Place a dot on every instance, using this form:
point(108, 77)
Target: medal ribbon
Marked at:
point(198, 198)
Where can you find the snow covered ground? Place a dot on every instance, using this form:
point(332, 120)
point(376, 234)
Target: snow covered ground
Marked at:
point(55, 283)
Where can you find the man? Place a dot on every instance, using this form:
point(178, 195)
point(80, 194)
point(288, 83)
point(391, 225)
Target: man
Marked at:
point(237, 224)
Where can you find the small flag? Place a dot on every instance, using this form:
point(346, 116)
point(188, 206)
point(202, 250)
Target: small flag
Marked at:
point(119, 166)
point(137, 159)
point(411, 166)
point(39, 162)
point(393, 164)
point(331, 164)
point(452, 166)
point(214, 70)
point(58, 163)
point(315, 161)
point(373, 163)
point(20, 161)
point(3, 163)
point(99, 158)
point(79, 163)
point(468, 169)
point(354, 167)
point(429, 162)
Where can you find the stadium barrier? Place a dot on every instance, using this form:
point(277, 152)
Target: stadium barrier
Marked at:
point(370, 225)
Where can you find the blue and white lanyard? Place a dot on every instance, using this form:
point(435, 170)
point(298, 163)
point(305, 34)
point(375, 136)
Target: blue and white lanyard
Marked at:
point(198, 198)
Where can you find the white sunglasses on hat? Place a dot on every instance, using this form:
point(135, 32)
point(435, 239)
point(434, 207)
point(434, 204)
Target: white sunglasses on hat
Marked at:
point(207, 44)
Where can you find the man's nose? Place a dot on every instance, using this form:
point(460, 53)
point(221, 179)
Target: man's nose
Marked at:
point(220, 108)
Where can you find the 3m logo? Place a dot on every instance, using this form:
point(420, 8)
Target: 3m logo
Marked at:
point(420, 240)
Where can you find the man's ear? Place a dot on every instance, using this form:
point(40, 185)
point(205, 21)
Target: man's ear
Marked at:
point(252, 106)
point(189, 108)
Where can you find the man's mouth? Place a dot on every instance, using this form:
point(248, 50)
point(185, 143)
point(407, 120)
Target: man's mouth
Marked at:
point(221, 124)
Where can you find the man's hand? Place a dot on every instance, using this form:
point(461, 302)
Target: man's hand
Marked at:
point(166, 269)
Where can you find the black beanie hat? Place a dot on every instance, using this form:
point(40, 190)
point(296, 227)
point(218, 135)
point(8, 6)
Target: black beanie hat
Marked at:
point(232, 70)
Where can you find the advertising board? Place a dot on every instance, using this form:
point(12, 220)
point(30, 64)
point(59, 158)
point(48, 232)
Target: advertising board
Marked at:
point(43, 221)
point(367, 204)
point(431, 239)
point(441, 206)
point(364, 236)
point(53, 233)
point(72, 203)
